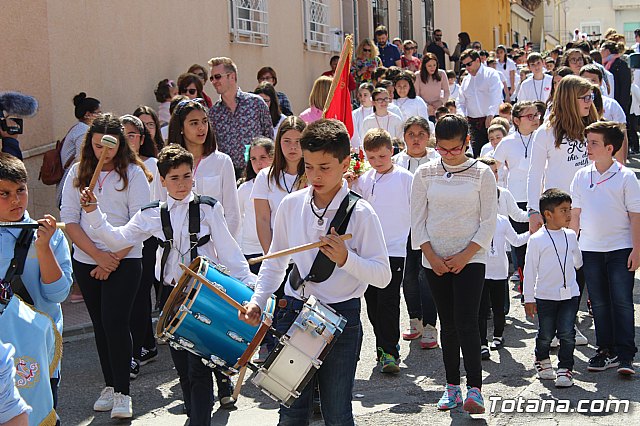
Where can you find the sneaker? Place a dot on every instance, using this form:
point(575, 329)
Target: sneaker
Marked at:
point(555, 342)
point(589, 308)
point(564, 378)
point(225, 393)
point(451, 398)
point(514, 277)
point(135, 369)
point(122, 408)
point(148, 355)
point(626, 368)
point(580, 339)
point(389, 364)
point(484, 352)
point(263, 353)
point(414, 331)
point(105, 402)
point(473, 403)
point(602, 361)
point(76, 298)
point(429, 338)
point(544, 369)
point(497, 343)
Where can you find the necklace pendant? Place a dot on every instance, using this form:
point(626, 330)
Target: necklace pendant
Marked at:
point(99, 190)
point(321, 221)
point(447, 176)
point(592, 187)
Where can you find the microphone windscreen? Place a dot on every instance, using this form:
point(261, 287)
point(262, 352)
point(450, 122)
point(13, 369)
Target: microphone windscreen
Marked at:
point(18, 104)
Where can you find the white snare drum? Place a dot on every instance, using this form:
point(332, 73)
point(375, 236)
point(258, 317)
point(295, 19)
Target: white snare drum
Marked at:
point(299, 353)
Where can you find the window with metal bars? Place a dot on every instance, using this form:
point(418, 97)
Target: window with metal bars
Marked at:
point(249, 21)
point(316, 25)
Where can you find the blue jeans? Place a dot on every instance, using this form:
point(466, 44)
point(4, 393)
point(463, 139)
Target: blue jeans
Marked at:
point(610, 285)
point(417, 294)
point(336, 375)
point(556, 318)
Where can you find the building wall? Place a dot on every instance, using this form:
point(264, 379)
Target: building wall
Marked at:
point(487, 21)
point(447, 17)
point(604, 13)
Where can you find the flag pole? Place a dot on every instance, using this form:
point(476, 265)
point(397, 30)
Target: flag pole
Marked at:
point(347, 49)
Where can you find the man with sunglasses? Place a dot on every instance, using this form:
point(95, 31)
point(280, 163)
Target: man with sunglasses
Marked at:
point(237, 117)
point(389, 53)
point(438, 48)
point(480, 97)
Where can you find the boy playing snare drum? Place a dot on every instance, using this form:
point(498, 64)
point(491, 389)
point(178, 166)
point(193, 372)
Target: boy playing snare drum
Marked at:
point(175, 165)
point(305, 216)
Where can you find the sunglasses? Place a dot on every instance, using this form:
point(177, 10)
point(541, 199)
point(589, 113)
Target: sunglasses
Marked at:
point(189, 91)
point(453, 151)
point(217, 77)
point(366, 50)
point(466, 64)
point(587, 98)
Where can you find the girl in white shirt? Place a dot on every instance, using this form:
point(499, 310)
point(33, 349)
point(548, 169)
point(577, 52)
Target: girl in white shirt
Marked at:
point(213, 172)
point(381, 118)
point(507, 68)
point(359, 114)
point(260, 157)
point(405, 97)
point(109, 281)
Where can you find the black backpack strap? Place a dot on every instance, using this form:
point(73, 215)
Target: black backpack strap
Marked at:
point(151, 205)
point(167, 230)
point(16, 267)
point(323, 267)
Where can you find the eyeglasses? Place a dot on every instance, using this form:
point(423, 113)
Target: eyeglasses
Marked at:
point(217, 77)
point(576, 60)
point(266, 78)
point(189, 91)
point(150, 125)
point(587, 98)
point(466, 64)
point(366, 50)
point(453, 151)
point(132, 136)
point(382, 100)
point(531, 117)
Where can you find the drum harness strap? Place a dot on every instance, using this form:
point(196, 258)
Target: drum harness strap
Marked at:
point(323, 267)
point(194, 229)
point(12, 281)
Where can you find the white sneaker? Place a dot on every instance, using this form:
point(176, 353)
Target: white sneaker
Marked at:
point(544, 369)
point(414, 331)
point(564, 378)
point(581, 340)
point(555, 342)
point(429, 338)
point(122, 408)
point(105, 402)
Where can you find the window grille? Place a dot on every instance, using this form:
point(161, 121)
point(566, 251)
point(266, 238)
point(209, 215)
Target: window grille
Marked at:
point(316, 25)
point(249, 21)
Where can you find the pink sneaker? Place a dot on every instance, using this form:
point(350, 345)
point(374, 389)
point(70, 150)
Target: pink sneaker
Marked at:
point(429, 338)
point(414, 331)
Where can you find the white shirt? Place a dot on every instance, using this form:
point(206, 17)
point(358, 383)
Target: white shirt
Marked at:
point(214, 176)
point(358, 115)
point(222, 248)
point(450, 214)
point(410, 163)
point(605, 208)
point(391, 122)
point(507, 206)
point(506, 71)
point(552, 167)
point(277, 126)
point(266, 189)
point(612, 110)
point(488, 151)
point(119, 206)
point(497, 262)
point(535, 90)
point(480, 95)
point(367, 261)
point(249, 241)
point(514, 151)
point(543, 277)
point(454, 91)
point(390, 196)
point(410, 107)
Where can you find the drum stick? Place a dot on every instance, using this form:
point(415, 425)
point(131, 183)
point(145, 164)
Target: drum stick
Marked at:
point(107, 142)
point(240, 382)
point(296, 249)
point(213, 288)
point(59, 225)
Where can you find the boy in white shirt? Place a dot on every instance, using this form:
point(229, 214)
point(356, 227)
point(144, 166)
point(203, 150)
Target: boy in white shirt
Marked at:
point(550, 286)
point(303, 217)
point(175, 165)
point(387, 188)
point(607, 212)
point(538, 86)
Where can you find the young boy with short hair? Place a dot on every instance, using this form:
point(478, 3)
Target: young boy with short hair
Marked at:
point(606, 211)
point(550, 286)
point(538, 86)
point(388, 189)
point(305, 216)
point(175, 165)
point(495, 132)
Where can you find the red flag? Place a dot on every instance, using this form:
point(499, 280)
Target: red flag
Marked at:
point(338, 104)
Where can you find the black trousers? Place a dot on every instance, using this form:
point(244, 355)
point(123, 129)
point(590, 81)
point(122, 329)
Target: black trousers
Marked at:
point(492, 294)
point(383, 309)
point(196, 381)
point(632, 131)
point(520, 227)
point(141, 327)
point(109, 304)
point(457, 298)
point(479, 135)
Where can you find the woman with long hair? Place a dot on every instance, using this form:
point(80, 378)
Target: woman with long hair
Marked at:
point(203, 75)
point(507, 68)
point(109, 281)
point(432, 84)
point(464, 43)
point(317, 99)
point(365, 61)
point(268, 93)
point(558, 74)
point(151, 122)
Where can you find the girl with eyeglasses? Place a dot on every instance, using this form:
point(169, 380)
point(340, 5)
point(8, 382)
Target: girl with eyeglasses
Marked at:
point(381, 118)
point(508, 69)
point(151, 122)
point(190, 86)
point(365, 61)
point(432, 84)
point(453, 218)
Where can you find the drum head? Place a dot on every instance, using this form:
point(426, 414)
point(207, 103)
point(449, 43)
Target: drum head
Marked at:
point(179, 296)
